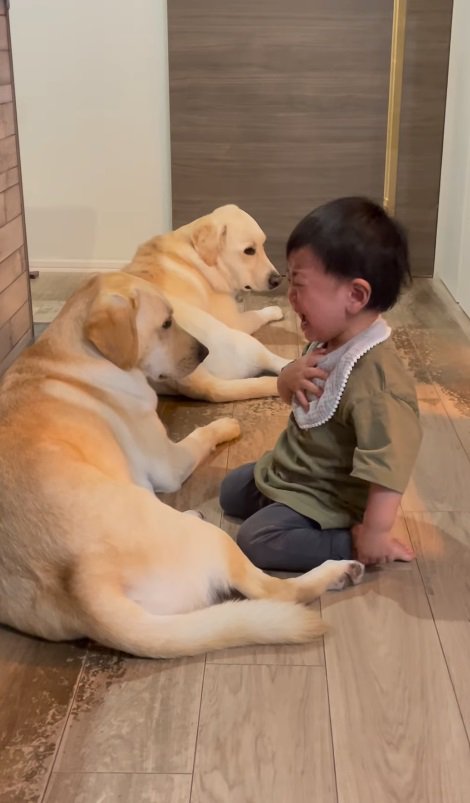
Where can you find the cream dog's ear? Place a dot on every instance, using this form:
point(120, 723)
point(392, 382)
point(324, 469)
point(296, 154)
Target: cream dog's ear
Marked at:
point(207, 240)
point(111, 327)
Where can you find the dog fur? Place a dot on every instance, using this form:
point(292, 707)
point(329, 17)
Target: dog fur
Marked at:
point(200, 268)
point(86, 548)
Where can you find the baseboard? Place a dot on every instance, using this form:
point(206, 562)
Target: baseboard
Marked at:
point(82, 265)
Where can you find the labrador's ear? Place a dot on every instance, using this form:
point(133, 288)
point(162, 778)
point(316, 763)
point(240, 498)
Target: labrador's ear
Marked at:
point(111, 327)
point(207, 240)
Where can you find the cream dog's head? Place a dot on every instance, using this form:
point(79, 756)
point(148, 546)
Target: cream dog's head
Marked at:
point(132, 325)
point(231, 244)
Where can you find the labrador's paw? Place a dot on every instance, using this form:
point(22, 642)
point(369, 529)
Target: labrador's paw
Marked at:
point(226, 429)
point(272, 314)
point(197, 513)
point(349, 571)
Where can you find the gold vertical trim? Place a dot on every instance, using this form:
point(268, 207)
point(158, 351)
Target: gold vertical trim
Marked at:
point(394, 104)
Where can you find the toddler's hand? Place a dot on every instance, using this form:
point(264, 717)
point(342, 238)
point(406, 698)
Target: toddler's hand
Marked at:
point(296, 378)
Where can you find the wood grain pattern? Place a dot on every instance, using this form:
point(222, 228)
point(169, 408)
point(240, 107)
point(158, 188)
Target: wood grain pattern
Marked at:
point(422, 307)
point(440, 478)
point(11, 237)
point(13, 297)
point(280, 655)
point(445, 353)
point(16, 324)
point(8, 153)
point(16, 351)
point(13, 202)
point(118, 788)
point(277, 107)
point(442, 542)
point(425, 388)
point(3, 34)
point(457, 408)
point(5, 68)
point(133, 716)
point(12, 332)
point(426, 60)
point(264, 736)
point(393, 739)
point(37, 681)
point(7, 120)
point(5, 93)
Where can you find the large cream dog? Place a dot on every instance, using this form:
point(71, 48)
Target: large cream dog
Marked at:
point(201, 268)
point(86, 549)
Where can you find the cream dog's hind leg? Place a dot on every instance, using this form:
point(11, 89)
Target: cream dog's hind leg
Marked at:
point(233, 354)
point(153, 595)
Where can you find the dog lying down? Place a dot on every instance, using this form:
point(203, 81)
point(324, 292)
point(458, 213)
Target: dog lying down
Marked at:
point(200, 268)
point(86, 549)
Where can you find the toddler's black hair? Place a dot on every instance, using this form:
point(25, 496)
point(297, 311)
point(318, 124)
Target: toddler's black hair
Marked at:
point(356, 239)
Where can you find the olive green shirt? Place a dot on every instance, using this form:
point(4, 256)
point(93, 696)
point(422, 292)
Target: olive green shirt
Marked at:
point(324, 472)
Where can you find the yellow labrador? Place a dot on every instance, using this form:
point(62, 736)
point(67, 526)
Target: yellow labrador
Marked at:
point(86, 549)
point(200, 268)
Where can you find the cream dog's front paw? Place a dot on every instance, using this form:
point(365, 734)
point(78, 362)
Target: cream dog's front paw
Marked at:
point(272, 314)
point(226, 429)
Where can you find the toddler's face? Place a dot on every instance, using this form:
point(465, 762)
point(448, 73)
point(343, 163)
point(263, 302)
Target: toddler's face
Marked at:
point(319, 298)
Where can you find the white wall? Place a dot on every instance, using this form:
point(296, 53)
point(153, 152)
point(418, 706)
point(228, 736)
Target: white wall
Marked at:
point(452, 263)
point(91, 82)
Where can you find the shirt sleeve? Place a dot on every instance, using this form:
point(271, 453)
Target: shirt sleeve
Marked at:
point(388, 436)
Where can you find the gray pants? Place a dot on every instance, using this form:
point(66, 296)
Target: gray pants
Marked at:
point(273, 535)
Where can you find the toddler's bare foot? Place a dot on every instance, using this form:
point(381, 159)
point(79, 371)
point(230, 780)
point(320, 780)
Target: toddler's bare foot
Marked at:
point(399, 551)
point(372, 548)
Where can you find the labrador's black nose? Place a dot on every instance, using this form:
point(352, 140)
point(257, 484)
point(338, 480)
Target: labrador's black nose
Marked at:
point(202, 352)
point(274, 280)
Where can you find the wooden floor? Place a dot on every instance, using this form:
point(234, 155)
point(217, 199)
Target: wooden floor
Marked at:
point(379, 713)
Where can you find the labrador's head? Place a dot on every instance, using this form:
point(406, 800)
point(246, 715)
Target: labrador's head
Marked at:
point(231, 244)
point(132, 325)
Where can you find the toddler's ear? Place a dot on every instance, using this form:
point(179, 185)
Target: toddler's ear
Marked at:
point(360, 294)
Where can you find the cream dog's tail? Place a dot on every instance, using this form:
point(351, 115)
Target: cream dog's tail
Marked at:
point(118, 622)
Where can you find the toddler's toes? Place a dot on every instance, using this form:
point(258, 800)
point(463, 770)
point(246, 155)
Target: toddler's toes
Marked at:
point(399, 551)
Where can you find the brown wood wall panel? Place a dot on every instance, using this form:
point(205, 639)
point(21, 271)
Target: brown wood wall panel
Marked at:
point(277, 106)
point(13, 202)
point(14, 296)
point(3, 34)
point(16, 323)
point(14, 330)
point(8, 153)
point(5, 93)
point(427, 42)
point(5, 68)
point(7, 120)
point(11, 268)
point(11, 237)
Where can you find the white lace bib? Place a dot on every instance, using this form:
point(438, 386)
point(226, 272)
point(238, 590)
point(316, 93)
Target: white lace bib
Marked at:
point(339, 364)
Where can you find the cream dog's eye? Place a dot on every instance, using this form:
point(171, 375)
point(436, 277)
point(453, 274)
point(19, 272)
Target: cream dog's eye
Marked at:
point(167, 323)
point(250, 251)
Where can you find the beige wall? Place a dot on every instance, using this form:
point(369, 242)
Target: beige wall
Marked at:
point(453, 230)
point(92, 95)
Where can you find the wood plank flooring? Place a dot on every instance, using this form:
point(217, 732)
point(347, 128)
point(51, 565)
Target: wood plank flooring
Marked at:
point(379, 713)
